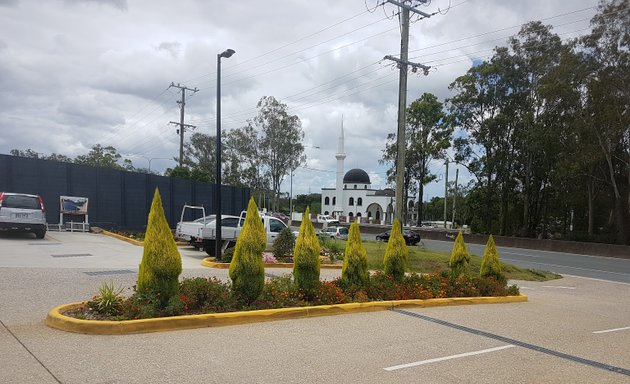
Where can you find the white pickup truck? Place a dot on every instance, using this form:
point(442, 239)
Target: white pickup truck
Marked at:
point(327, 220)
point(201, 233)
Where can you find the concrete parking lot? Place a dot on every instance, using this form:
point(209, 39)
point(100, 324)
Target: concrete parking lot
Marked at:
point(572, 330)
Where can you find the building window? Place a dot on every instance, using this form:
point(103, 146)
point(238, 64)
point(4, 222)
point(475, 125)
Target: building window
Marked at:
point(378, 215)
point(345, 186)
point(326, 213)
point(334, 200)
point(351, 202)
point(326, 200)
point(355, 186)
point(365, 186)
point(359, 202)
point(350, 214)
point(359, 214)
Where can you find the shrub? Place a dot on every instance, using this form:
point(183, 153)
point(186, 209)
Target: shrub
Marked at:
point(490, 265)
point(143, 304)
point(306, 256)
point(395, 260)
point(283, 244)
point(161, 262)
point(269, 258)
point(206, 295)
point(247, 270)
point(459, 257)
point(108, 301)
point(355, 264)
point(227, 256)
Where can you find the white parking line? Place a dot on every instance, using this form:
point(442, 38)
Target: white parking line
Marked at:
point(594, 279)
point(436, 360)
point(557, 286)
point(612, 330)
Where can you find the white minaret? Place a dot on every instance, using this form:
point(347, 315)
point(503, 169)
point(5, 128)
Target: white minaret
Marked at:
point(340, 156)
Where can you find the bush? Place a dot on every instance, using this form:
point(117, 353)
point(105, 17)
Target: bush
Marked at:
point(459, 257)
point(306, 261)
point(355, 263)
point(206, 295)
point(227, 256)
point(247, 270)
point(395, 260)
point(331, 248)
point(283, 245)
point(161, 262)
point(108, 301)
point(490, 265)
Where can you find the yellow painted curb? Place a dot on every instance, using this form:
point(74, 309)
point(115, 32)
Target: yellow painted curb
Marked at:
point(210, 263)
point(133, 241)
point(56, 319)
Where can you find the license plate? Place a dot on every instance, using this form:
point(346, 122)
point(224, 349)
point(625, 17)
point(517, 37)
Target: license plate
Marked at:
point(21, 215)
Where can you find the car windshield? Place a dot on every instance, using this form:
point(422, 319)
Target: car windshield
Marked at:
point(206, 219)
point(343, 231)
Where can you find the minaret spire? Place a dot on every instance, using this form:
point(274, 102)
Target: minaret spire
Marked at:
point(340, 156)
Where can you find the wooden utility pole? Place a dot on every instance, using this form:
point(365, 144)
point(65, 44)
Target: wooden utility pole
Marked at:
point(182, 126)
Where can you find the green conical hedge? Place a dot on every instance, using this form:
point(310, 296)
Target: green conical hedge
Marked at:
point(490, 265)
point(355, 262)
point(306, 256)
point(459, 256)
point(247, 269)
point(395, 260)
point(161, 262)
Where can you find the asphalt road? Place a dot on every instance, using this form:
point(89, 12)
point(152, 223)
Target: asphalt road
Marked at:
point(595, 267)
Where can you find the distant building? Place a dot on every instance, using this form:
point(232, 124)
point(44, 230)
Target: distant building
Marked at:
point(354, 198)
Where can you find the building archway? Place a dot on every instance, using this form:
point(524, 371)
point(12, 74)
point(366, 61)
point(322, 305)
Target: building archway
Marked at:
point(376, 211)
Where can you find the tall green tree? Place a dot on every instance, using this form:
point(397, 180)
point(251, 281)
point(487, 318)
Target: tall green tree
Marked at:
point(427, 137)
point(99, 156)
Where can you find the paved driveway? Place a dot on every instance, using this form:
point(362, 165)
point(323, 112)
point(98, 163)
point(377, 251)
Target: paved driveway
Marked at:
point(573, 330)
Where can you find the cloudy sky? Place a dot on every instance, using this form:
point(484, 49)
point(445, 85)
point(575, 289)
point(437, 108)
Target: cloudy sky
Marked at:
point(74, 73)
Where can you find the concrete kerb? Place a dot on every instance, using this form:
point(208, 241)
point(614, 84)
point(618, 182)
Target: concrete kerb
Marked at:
point(210, 263)
point(56, 319)
point(133, 241)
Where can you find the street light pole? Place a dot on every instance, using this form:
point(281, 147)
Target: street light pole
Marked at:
point(217, 195)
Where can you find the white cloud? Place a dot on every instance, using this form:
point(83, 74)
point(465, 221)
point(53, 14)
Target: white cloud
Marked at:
point(76, 73)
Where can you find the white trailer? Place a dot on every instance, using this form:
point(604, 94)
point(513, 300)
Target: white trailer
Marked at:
point(201, 233)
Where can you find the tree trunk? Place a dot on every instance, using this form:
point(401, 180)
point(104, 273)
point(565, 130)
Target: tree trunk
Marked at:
point(527, 186)
point(420, 202)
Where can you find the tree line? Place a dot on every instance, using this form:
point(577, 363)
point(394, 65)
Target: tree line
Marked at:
point(544, 128)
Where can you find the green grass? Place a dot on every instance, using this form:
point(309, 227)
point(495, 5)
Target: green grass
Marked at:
point(426, 260)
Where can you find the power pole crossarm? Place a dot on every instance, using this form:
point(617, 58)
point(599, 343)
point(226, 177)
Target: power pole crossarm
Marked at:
point(414, 66)
point(409, 8)
point(182, 126)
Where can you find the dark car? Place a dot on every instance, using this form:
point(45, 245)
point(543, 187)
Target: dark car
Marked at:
point(411, 238)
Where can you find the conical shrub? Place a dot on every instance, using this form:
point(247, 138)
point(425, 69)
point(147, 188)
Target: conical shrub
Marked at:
point(355, 262)
point(396, 253)
point(459, 256)
point(490, 265)
point(161, 262)
point(247, 269)
point(306, 256)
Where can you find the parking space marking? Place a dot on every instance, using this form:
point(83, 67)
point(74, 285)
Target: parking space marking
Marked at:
point(115, 272)
point(73, 255)
point(557, 286)
point(567, 266)
point(518, 343)
point(612, 330)
point(595, 279)
point(45, 243)
point(438, 359)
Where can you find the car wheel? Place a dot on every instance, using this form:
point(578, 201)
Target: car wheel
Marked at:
point(40, 234)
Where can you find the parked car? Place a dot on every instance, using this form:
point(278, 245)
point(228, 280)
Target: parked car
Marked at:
point(280, 215)
point(335, 233)
point(411, 237)
point(22, 212)
point(327, 219)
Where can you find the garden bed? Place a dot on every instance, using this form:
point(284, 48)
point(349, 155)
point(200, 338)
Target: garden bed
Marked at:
point(203, 302)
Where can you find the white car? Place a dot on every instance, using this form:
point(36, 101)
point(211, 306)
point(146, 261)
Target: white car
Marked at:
point(327, 219)
point(335, 232)
point(22, 212)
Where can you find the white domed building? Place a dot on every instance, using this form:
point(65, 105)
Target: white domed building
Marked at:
point(353, 196)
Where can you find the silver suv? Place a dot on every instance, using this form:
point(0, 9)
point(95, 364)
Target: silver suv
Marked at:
point(22, 212)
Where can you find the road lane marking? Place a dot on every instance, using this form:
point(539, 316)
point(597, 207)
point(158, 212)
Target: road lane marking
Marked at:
point(557, 286)
point(438, 359)
point(612, 330)
point(595, 279)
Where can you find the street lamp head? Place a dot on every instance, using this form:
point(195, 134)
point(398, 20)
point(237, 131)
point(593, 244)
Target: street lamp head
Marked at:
point(227, 53)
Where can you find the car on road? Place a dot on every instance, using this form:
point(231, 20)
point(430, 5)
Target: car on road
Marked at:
point(22, 212)
point(411, 237)
point(281, 215)
point(335, 233)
